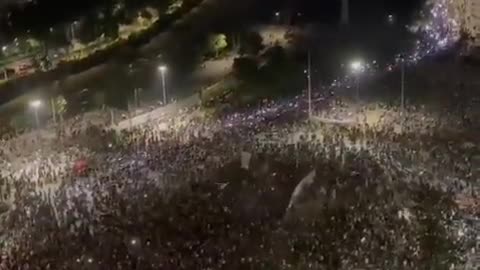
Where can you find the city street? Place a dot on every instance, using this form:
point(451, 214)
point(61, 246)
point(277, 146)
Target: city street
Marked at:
point(279, 135)
point(194, 23)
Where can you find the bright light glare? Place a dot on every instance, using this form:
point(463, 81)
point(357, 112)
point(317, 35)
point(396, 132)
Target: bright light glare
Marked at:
point(162, 68)
point(36, 103)
point(391, 19)
point(4, 48)
point(356, 66)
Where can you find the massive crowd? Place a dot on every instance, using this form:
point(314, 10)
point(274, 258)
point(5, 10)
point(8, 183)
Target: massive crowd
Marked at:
point(250, 190)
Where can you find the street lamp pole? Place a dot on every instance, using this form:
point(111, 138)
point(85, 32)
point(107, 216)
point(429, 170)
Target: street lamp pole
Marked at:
point(357, 68)
point(37, 121)
point(54, 110)
point(309, 80)
point(164, 89)
point(135, 97)
point(402, 98)
point(35, 106)
point(277, 17)
point(357, 79)
point(163, 69)
point(72, 29)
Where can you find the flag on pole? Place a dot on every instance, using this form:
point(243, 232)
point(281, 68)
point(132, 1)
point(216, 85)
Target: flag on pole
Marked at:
point(301, 188)
point(245, 159)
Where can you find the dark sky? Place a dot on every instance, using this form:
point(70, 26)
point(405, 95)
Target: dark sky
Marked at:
point(50, 12)
point(325, 9)
point(41, 14)
point(361, 11)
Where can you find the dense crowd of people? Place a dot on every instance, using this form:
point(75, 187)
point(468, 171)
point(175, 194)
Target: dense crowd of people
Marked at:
point(262, 189)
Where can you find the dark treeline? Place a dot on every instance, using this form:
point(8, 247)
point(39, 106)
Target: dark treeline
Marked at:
point(36, 18)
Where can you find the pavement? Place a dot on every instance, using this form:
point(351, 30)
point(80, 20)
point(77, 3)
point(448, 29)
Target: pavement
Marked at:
point(213, 69)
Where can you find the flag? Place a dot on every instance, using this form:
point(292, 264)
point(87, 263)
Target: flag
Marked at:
point(301, 188)
point(245, 159)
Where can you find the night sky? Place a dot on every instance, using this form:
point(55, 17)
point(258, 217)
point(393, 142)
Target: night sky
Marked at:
point(326, 10)
point(41, 14)
point(46, 13)
point(361, 11)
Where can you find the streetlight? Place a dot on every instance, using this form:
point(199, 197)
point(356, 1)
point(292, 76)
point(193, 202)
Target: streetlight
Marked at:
point(136, 95)
point(391, 19)
point(277, 16)
point(357, 68)
point(309, 84)
point(35, 105)
point(5, 73)
point(162, 70)
point(402, 84)
point(72, 28)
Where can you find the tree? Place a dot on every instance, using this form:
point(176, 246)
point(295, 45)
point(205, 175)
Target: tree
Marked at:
point(28, 45)
point(145, 14)
point(275, 56)
point(108, 23)
point(60, 106)
point(217, 43)
point(174, 5)
point(124, 17)
point(245, 68)
point(86, 31)
point(188, 4)
point(111, 28)
point(281, 75)
point(33, 43)
point(55, 38)
point(251, 43)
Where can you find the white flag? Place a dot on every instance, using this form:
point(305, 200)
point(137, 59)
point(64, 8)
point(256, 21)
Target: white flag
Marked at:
point(246, 160)
point(301, 188)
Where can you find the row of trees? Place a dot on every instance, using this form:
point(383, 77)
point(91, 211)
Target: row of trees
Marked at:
point(103, 18)
point(276, 73)
point(245, 43)
point(259, 71)
point(39, 16)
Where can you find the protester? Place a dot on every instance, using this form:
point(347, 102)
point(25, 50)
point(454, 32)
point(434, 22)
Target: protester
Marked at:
point(160, 195)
